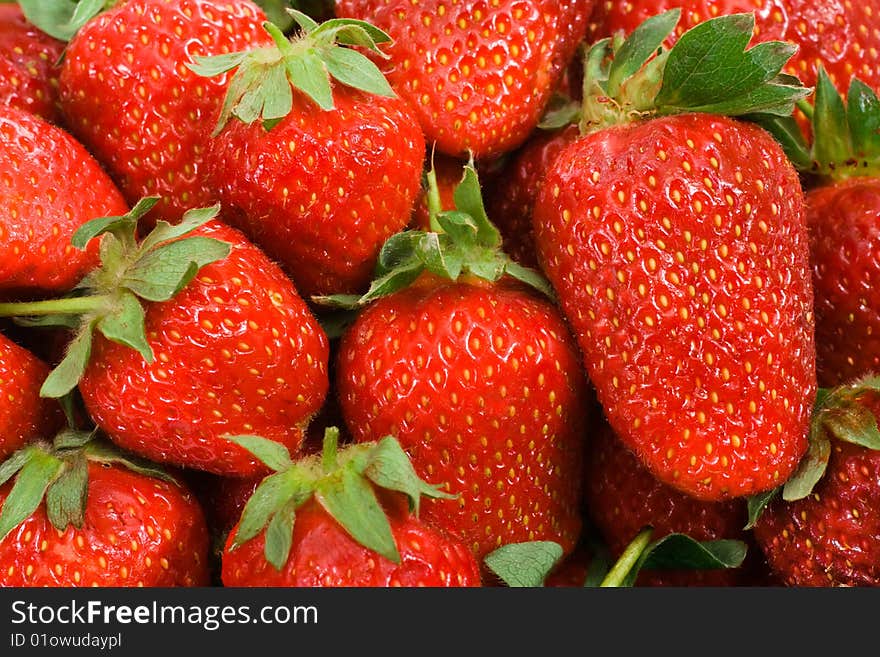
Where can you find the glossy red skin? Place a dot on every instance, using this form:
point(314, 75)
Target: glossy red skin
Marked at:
point(325, 554)
point(481, 86)
point(511, 200)
point(24, 415)
point(690, 295)
point(844, 36)
point(49, 187)
point(832, 537)
point(127, 95)
point(844, 223)
point(623, 498)
point(28, 75)
point(237, 351)
point(482, 387)
point(138, 531)
point(322, 191)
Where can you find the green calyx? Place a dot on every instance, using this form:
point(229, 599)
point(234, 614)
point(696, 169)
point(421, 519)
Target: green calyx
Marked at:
point(262, 86)
point(62, 19)
point(110, 299)
point(461, 242)
point(846, 132)
point(529, 564)
point(708, 70)
point(343, 482)
point(58, 474)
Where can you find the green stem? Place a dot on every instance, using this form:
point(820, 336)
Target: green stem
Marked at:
point(806, 107)
point(627, 560)
point(432, 197)
point(279, 38)
point(69, 306)
point(331, 442)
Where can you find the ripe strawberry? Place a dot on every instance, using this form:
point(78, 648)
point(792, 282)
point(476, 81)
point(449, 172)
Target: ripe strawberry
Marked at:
point(842, 36)
point(336, 525)
point(678, 249)
point(106, 521)
point(477, 376)
point(823, 530)
point(323, 181)
point(231, 349)
point(843, 217)
point(28, 57)
point(479, 74)
point(49, 186)
point(24, 415)
point(623, 498)
point(127, 94)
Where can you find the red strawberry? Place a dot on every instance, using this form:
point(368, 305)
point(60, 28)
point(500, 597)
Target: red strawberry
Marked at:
point(678, 248)
point(128, 96)
point(49, 186)
point(479, 74)
point(322, 544)
point(624, 498)
point(131, 528)
point(231, 349)
point(24, 415)
point(323, 182)
point(28, 58)
point(843, 36)
point(824, 530)
point(478, 378)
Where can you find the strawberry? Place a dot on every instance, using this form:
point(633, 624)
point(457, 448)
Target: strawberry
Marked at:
point(624, 498)
point(333, 168)
point(106, 520)
point(479, 74)
point(28, 58)
point(339, 519)
point(128, 95)
point(222, 343)
point(842, 166)
point(24, 415)
point(822, 529)
point(842, 36)
point(677, 245)
point(49, 186)
point(476, 375)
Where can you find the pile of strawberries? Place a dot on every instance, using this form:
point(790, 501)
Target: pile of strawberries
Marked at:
point(439, 293)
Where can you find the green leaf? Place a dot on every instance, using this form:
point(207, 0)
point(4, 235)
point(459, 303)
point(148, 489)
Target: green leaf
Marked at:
point(491, 267)
point(392, 282)
point(809, 471)
point(308, 74)
point(756, 505)
point(159, 274)
point(69, 371)
point(16, 462)
point(353, 69)
point(863, 111)
point(72, 439)
point(66, 497)
point(787, 132)
point(460, 226)
point(531, 278)
point(61, 19)
point(681, 552)
point(273, 454)
point(277, 98)
point(854, 424)
point(246, 77)
point(389, 467)
point(270, 495)
point(831, 134)
point(103, 452)
point(351, 500)
point(437, 253)
point(398, 251)
point(709, 69)
point(214, 65)
point(641, 44)
point(560, 113)
point(351, 32)
point(30, 486)
point(305, 22)
point(124, 224)
point(279, 535)
point(125, 325)
point(165, 232)
point(524, 564)
point(469, 199)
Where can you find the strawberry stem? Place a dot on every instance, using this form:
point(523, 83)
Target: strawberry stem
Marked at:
point(627, 561)
point(432, 197)
point(69, 306)
point(329, 461)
